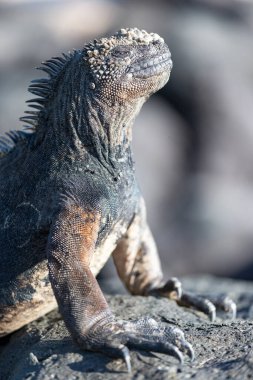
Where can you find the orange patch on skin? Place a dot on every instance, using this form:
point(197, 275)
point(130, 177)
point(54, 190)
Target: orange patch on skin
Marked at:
point(80, 227)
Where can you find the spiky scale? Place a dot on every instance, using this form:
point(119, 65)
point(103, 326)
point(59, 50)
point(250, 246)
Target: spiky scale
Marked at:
point(52, 64)
point(32, 112)
point(14, 136)
point(11, 134)
point(36, 100)
point(4, 140)
point(47, 70)
point(38, 91)
point(30, 127)
point(29, 120)
point(40, 85)
point(66, 56)
point(42, 88)
point(60, 59)
point(36, 106)
point(4, 148)
point(41, 80)
point(23, 118)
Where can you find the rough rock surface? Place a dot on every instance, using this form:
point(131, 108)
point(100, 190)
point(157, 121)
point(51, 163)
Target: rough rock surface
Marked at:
point(224, 349)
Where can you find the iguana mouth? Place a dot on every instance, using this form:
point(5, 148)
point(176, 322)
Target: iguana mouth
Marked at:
point(149, 67)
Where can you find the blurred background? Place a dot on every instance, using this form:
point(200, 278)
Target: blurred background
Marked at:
point(193, 140)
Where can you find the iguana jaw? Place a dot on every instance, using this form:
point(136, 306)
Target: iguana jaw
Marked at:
point(149, 67)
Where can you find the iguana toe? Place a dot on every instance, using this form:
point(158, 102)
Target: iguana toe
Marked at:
point(209, 304)
point(114, 339)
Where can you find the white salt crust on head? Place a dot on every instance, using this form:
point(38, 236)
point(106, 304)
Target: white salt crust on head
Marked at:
point(99, 49)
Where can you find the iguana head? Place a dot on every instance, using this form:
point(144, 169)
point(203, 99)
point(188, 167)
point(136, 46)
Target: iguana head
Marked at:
point(96, 92)
point(130, 64)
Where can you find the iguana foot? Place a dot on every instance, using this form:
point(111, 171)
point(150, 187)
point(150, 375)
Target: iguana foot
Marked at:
point(113, 338)
point(207, 303)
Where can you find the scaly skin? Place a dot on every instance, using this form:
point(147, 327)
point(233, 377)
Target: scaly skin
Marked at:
point(69, 198)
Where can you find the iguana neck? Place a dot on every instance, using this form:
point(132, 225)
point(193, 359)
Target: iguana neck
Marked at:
point(107, 130)
point(85, 123)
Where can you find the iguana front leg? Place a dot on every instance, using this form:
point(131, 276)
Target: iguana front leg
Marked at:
point(72, 241)
point(138, 265)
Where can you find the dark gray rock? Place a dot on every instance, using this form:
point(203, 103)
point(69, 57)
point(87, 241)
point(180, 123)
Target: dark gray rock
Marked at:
point(224, 349)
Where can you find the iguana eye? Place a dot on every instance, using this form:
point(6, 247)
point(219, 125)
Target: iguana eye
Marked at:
point(121, 51)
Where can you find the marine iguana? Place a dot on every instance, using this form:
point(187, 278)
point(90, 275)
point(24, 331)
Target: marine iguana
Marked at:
point(69, 199)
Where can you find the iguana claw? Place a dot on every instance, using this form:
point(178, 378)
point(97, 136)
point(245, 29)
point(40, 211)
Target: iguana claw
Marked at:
point(209, 303)
point(146, 334)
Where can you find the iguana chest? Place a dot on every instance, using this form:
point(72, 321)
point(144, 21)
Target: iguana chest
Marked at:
point(29, 295)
